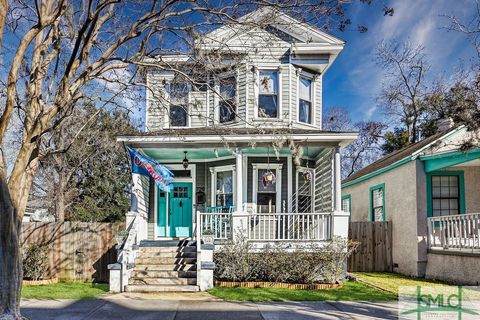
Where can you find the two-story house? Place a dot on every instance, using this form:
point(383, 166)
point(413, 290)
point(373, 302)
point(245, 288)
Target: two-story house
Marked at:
point(242, 134)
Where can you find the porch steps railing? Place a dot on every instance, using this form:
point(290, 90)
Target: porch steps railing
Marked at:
point(457, 231)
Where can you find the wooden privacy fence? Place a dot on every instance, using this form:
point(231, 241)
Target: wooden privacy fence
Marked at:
point(374, 253)
point(77, 250)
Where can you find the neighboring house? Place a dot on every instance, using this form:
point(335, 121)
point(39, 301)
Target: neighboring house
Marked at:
point(218, 140)
point(430, 191)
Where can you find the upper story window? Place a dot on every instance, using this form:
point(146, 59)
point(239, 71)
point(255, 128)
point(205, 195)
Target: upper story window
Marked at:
point(228, 92)
point(178, 98)
point(305, 100)
point(268, 94)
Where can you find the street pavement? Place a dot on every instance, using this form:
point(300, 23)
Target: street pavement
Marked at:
point(199, 306)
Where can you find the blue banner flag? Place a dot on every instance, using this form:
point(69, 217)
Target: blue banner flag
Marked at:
point(148, 167)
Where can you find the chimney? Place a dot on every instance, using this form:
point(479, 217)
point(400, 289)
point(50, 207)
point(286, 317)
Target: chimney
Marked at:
point(443, 124)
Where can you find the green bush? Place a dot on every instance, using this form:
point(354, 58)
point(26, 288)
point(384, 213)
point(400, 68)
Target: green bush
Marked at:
point(35, 261)
point(312, 263)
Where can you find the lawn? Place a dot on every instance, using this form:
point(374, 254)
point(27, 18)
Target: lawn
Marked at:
point(351, 291)
point(65, 290)
point(391, 281)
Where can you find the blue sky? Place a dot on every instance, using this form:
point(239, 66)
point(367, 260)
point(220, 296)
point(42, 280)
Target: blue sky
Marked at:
point(354, 80)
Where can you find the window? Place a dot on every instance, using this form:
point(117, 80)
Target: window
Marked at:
point(377, 203)
point(266, 195)
point(304, 190)
point(178, 97)
point(228, 91)
point(445, 195)
point(224, 192)
point(346, 204)
point(268, 94)
point(178, 116)
point(305, 100)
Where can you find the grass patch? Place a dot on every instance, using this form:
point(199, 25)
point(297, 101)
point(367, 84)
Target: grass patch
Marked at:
point(350, 291)
point(65, 290)
point(391, 281)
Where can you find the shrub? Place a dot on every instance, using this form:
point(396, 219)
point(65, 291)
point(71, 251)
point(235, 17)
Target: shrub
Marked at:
point(35, 261)
point(240, 261)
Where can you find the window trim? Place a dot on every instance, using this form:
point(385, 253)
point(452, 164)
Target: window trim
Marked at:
point(373, 188)
point(310, 77)
point(349, 198)
point(216, 102)
point(278, 184)
point(189, 122)
point(312, 189)
point(461, 187)
point(278, 70)
point(213, 182)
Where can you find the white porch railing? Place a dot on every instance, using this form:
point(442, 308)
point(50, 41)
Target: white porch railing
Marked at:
point(270, 226)
point(218, 223)
point(459, 231)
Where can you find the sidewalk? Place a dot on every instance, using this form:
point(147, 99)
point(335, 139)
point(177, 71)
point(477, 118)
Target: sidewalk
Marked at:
point(199, 307)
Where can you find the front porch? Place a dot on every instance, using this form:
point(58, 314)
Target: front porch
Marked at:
point(225, 195)
point(228, 187)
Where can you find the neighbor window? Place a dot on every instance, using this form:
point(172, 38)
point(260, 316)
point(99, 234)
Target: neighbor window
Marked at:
point(378, 203)
point(445, 195)
point(346, 205)
point(305, 100)
point(178, 97)
point(228, 90)
point(268, 94)
point(224, 186)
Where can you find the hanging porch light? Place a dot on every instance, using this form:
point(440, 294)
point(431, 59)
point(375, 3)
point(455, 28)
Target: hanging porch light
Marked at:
point(185, 161)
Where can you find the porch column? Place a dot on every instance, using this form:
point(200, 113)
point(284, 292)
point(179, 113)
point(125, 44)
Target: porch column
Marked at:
point(239, 181)
point(337, 181)
point(340, 218)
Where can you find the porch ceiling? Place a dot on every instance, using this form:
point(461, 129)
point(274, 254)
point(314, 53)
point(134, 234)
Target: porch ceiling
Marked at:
point(202, 154)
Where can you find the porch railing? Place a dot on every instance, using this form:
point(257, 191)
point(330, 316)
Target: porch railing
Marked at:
point(219, 224)
point(269, 226)
point(458, 232)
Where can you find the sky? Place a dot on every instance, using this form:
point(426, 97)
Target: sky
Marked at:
point(354, 81)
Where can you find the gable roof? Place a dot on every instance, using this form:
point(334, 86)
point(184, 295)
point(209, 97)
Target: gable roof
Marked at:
point(304, 32)
point(397, 157)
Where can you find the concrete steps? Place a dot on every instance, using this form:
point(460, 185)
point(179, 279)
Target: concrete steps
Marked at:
point(153, 288)
point(162, 266)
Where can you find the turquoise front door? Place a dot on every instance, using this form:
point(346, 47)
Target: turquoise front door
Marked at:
point(180, 210)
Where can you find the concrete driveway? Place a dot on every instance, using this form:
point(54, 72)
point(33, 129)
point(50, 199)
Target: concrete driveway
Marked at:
point(201, 307)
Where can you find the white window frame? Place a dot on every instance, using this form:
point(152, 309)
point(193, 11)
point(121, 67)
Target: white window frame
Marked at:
point(268, 68)
point(189, 120)
point(312, 77)
point(312, 188)
point(213, 182)
point(278, 184)
point(216, 98)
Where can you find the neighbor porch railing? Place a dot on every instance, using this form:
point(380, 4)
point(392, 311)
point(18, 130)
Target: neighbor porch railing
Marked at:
point(269, 226)
point(457, 231)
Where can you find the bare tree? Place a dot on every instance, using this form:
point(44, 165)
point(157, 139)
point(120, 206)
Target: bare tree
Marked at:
point(67, 54)
point(362, 151)
point(404, 89)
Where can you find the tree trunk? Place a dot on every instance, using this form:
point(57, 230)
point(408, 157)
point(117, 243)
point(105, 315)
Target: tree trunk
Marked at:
point(3, 16)
point(10, 256)
point(60, 197)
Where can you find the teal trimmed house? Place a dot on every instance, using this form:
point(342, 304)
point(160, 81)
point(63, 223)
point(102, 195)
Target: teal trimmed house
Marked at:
point(242, 134)
point(430, 191)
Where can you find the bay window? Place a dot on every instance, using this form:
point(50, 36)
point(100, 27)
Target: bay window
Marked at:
point(268, 94)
